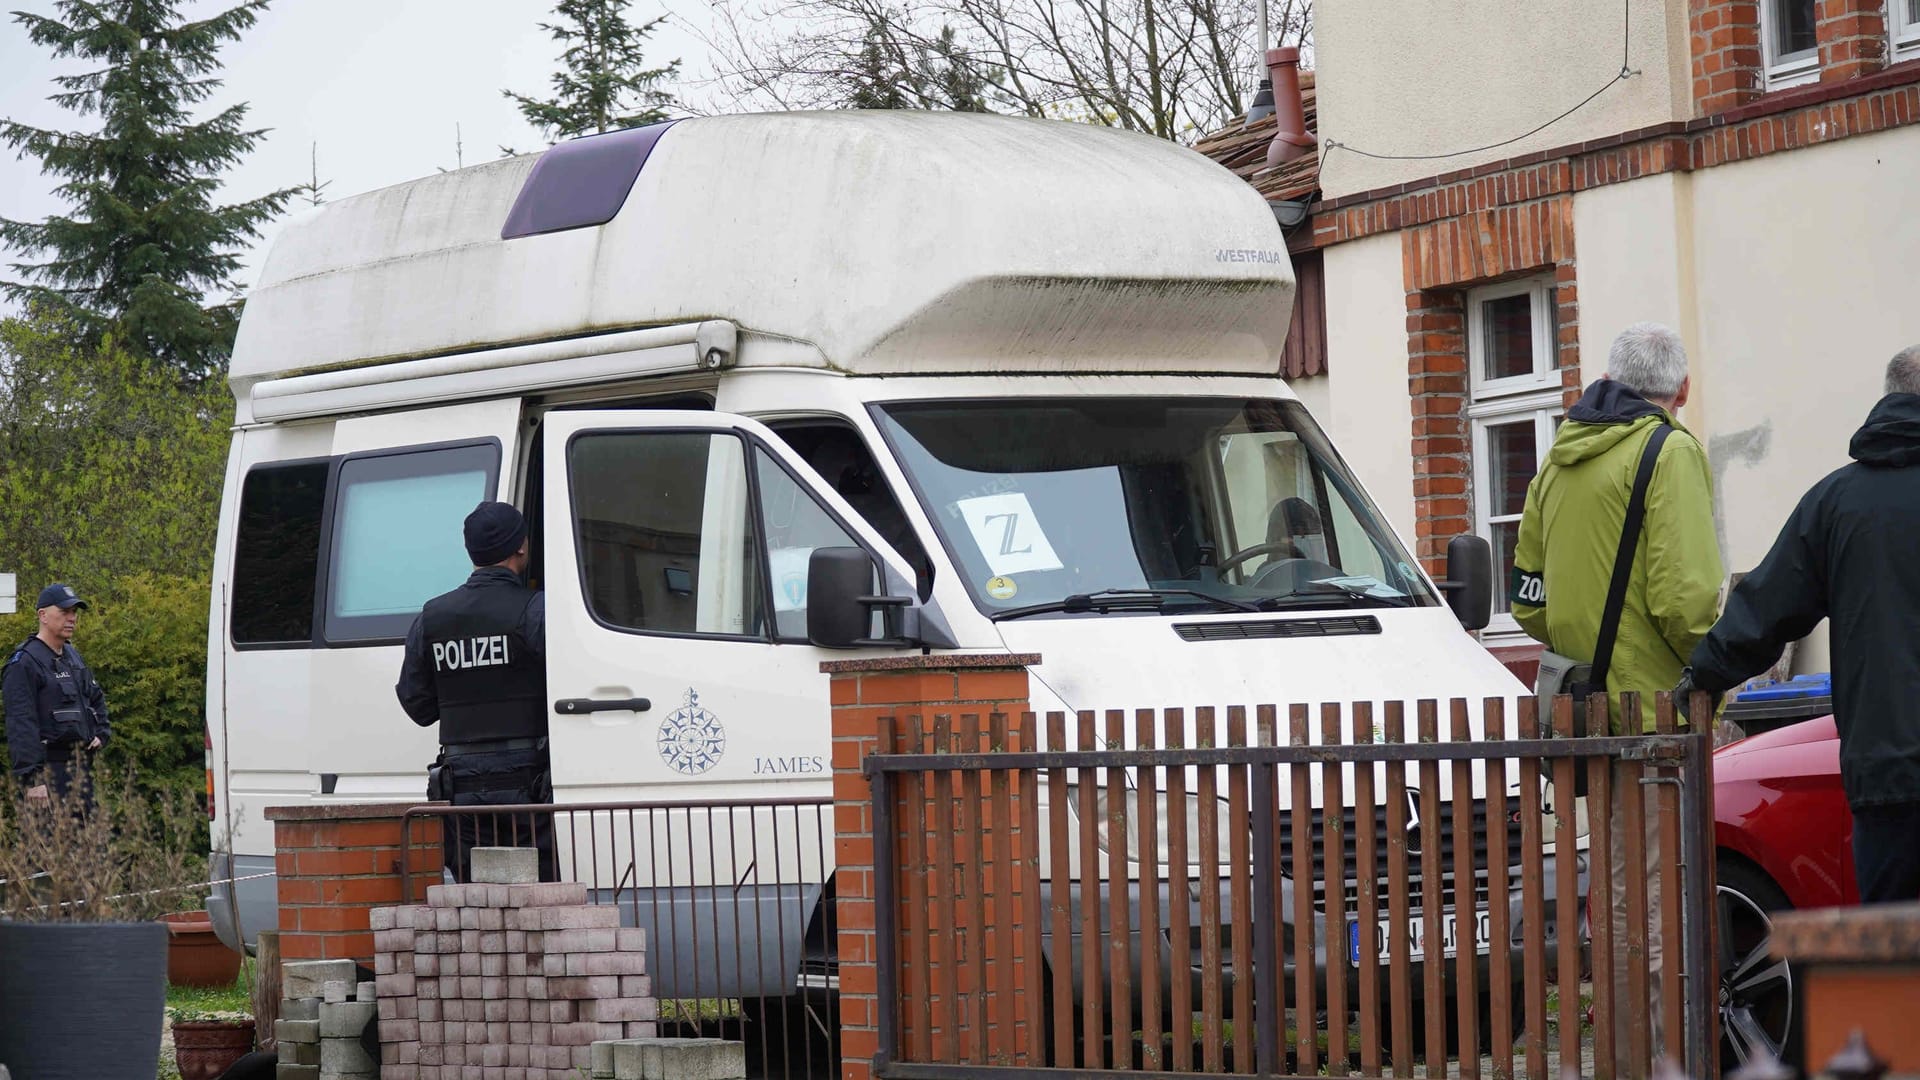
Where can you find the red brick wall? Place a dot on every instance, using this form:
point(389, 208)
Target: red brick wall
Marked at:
point(1728, 61)
point(1852, 36)
point(878, 703)
point(1440, 261)
point(336, 863)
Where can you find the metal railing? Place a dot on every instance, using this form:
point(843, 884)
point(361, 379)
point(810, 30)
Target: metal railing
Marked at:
point(736, 898)
point(1132, 922)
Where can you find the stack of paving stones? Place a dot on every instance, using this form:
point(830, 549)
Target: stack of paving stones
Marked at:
point(323, 1012)
point(506, 978)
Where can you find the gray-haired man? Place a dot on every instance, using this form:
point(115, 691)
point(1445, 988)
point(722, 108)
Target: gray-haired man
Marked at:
point(1570, 543)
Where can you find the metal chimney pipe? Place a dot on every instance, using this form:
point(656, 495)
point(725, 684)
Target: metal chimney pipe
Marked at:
point(1292, 140)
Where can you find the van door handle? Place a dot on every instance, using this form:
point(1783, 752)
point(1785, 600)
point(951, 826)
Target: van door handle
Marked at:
point(575, 706)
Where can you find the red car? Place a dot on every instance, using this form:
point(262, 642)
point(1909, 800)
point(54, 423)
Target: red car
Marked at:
point(1783, 838)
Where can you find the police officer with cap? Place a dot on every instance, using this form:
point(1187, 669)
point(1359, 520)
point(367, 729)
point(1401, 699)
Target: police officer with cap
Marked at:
point(476, 664)
point(56, 714)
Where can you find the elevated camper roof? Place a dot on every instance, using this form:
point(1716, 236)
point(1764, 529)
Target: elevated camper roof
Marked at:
point(867, 242)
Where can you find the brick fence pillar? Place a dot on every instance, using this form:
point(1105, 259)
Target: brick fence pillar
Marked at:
point(875, 696)
point(335, 863)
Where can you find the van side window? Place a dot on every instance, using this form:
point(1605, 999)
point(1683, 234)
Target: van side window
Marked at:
point(794, 525)
point(276, 553)
point(396, 540)
point(667, 543)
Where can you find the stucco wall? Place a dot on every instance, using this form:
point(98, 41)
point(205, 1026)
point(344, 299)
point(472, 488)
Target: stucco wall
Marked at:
point(1369, 414)
point(1411, 77)
point(1805, 275)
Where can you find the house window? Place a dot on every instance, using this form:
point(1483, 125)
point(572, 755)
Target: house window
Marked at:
point(1793, 53)
point(1905, 26)
point(1515, 408)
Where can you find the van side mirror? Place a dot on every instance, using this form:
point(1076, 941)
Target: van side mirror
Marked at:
point(1469, 582)
point(841, 600)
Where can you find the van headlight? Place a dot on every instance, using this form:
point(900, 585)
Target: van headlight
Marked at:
point(1130, 816)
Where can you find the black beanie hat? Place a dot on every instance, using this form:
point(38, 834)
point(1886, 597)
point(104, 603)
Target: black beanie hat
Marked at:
point(493, 532)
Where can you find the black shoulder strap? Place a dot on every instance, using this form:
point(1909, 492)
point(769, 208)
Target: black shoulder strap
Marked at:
point(1623, 559)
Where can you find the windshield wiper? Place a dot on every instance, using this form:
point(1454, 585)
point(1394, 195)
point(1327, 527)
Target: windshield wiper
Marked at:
point(1106, 600)
point(1353, 594)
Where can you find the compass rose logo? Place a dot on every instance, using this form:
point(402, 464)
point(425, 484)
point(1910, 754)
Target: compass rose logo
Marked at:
point(691, 738)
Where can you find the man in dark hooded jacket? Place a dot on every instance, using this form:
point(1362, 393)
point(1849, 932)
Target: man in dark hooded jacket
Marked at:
point(1850, 552)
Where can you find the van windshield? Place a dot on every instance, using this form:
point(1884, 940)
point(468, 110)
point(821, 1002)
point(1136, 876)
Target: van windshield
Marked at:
point(1081, 506)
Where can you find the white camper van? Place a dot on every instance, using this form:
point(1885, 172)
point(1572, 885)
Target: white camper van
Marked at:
point(1025, 370)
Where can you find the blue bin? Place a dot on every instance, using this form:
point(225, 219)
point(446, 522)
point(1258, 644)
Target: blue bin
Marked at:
point(1765, 706)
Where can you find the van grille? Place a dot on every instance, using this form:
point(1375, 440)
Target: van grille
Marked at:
point(1418, 837)
point(1339, 626)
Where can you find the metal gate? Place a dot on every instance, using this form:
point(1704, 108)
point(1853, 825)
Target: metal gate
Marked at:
point(1170, 895)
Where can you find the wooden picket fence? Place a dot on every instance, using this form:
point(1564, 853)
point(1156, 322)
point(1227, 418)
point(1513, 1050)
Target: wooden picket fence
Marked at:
point(1032, 857)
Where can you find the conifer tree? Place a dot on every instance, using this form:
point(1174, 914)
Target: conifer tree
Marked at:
point(143, 243)
point(604, 83)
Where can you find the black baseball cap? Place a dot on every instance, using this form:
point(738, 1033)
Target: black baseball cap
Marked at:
point(493, 531)
point(60, 596)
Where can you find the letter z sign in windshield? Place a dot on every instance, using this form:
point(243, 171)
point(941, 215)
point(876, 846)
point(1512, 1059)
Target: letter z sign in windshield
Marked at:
point(463, 653)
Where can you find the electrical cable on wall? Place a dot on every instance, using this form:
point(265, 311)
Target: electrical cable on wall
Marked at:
point(1626, 72)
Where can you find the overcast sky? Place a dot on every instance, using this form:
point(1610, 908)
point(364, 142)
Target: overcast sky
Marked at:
point(379, 85)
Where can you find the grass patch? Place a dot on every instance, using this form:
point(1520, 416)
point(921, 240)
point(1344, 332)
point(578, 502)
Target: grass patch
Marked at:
point(211, 1000)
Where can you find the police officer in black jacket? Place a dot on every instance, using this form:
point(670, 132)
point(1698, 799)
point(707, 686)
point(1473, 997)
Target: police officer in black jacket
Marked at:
point(56, 714)
point(476, 664)
point(1850, 553)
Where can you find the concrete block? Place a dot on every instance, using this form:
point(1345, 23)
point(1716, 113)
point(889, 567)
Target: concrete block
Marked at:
point(643, 1029)
point(395, 985)
point(467, 963)
point(536, 988)
point(518, 1054)
point(495, 1009)
point(679, 1059)
point(583, 987)
point(296, 1031)
point(446, 918)
point(477, 1035)
point(400, 1031)
point(389, 1008)
point(446, 896)
point(385, 963)
point(631, 939)
point(579, 1033)
point(365, 992)
point(553, 965)
point(432, 1034)
point(346, 1056)
point(304, 1008)
point(582, 917)
point(404, 962)
point(427, 964)
point(506, 865)
point(494, 1054)
point(565, 941)
point(345, 1020)
point(381, 918)
point(620, 1010)
point(430, 1010)
point(409, 1008)
point(547, 894)
point(296, 1072)
point(308, 978)
point(336, 991)
point(426, 989)
point(391, 941)
point(299, 1053)
point(601, 1067)
point(607, 963)
point(489, 919)
point(469, 941)
point(455, 1009)
point(497, 896)
point(406, 1053)
point(518, 1008)
point(493, 963)
point(425, 918)
point(396, 1071)
point(431, 1053)
point(562, 1012)
point(636, 986)
point(470, 918)
point(473, 988)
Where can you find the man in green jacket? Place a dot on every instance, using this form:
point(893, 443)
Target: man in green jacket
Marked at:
point(1570, 534)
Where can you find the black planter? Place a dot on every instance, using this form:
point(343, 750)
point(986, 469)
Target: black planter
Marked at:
point(82, 1000)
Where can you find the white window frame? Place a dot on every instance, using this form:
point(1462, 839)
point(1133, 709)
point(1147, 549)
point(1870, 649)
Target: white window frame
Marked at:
point(1903, 30)
point(1793, 69)
point(1500, 401)
point(1545, 374)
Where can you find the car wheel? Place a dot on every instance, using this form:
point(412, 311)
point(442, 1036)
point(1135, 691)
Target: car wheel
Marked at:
point(1758, 997)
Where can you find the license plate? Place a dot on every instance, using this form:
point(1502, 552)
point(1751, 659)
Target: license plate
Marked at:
point(1416, 930)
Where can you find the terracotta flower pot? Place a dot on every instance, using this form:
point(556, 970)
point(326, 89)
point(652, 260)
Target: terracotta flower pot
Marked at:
point(195, 955)
point(203, 1049)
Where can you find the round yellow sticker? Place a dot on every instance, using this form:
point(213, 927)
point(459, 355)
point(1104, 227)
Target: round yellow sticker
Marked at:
point(1001, 588)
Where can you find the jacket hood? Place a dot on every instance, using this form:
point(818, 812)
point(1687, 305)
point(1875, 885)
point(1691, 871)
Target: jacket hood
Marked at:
point(1606, 415)
point(1891, 435)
